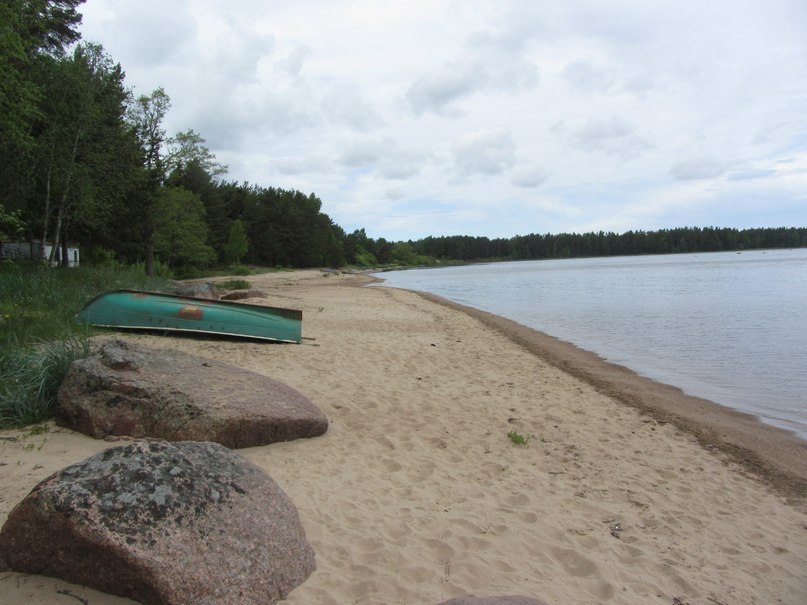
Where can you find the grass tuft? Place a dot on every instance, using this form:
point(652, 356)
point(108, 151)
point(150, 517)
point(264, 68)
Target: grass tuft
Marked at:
point(517, 438)
point(30, 378)
point(234, 284)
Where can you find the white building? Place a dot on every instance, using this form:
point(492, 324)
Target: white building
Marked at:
point(34, 250)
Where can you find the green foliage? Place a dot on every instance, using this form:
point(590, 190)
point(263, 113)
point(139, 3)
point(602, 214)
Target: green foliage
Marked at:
point(517, 438)
point(363, 258)
point(287, 228)
point(180, 238)
point(240, 270)
point(234, 284)
point(237, 244)
point(30, 379)
point(11, 225)
point(186, 149)
point(404, 253)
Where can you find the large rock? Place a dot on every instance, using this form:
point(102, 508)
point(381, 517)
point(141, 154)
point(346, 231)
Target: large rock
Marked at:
point(503, 600)
point(206, 291)
point(132, 390)
point(162, 523)
point(243, 294)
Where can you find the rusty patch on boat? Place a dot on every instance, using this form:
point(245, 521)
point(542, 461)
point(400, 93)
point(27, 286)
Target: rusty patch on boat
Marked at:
point(190, 312)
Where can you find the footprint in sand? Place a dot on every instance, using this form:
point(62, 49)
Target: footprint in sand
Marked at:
point(574, 564)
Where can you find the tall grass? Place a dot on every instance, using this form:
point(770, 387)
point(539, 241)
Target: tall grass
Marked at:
point(39, 338)
point(31, 379)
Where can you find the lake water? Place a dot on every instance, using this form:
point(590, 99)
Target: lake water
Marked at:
point(725, 326)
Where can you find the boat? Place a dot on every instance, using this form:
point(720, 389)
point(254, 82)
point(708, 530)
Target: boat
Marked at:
point(136, 310)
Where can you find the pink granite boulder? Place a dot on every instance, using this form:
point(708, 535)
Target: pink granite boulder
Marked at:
point(129, 389)
point(162, 523)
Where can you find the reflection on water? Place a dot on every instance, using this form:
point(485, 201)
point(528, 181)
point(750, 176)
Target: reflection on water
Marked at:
point(726, 326)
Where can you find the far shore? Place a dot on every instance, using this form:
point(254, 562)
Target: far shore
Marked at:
point(626, 491)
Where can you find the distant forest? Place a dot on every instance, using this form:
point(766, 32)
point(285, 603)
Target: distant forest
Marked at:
point(569, 245)
point(85, 162)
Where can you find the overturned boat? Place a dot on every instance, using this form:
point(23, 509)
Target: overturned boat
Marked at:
point(135, 310)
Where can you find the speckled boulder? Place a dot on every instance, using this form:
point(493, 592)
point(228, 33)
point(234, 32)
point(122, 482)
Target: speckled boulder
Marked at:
point(162, 523)
point(133, 390)
point(206, 291)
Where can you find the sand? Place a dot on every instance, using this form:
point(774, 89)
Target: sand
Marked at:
point(416, 494)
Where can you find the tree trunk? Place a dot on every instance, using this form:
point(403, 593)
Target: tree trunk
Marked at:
point(47, 200)
point(150, 258)
point(56, 235)
point(65, 191)
point(65, 257)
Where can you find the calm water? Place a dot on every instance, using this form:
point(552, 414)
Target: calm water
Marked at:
point(725, 326)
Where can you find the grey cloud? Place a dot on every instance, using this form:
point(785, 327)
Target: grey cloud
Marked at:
point(613, 135)
point(294, 58)
point(401, 165)
point(588, 78)
point(697, 169)
point(385, 157)
point(487, 61)
point(362, 153)
point(484, 152)
point(345, 104)
point(436, 92)
point(394, 194)
point(529, 177)
point(751, 174)
point(169, 32)
point(248, 116)
point(640, 85)
point(300, 165)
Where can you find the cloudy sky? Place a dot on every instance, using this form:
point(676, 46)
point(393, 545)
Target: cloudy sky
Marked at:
point(500, 117)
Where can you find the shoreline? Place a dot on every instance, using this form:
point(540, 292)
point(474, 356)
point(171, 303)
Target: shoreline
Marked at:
point(775, 455)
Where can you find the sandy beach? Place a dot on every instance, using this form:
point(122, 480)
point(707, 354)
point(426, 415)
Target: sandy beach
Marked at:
point(627, 492)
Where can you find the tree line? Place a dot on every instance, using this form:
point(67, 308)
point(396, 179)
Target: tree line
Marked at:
point(569, 245)
point(83, 160)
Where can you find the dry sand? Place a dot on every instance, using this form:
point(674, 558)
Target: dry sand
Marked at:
point(416, 494)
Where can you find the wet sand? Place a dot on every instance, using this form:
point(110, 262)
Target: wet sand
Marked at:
point(416, 494)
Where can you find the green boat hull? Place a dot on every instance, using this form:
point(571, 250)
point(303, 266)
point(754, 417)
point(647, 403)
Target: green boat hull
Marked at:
point(131, 309)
